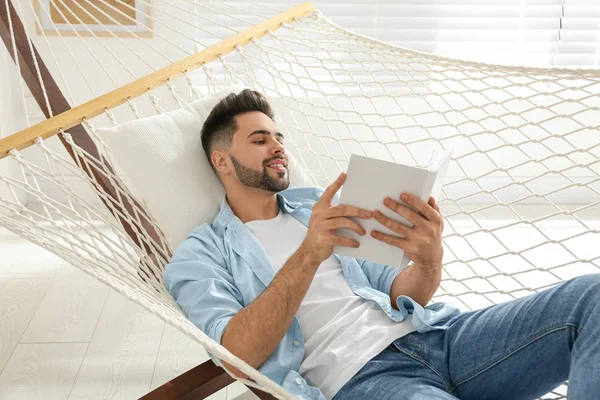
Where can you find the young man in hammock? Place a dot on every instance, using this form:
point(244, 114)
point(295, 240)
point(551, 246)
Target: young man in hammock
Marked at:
point(262, 281)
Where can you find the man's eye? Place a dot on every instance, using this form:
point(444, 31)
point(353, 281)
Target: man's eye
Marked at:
point(260, 142)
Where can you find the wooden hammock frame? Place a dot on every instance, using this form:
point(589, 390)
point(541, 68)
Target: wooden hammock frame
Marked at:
point(207, 378)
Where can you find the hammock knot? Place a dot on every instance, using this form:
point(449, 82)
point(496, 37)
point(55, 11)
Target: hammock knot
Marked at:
point(314, 15)
point(68, 138)
point(133, 108)
point(88, 124)
point(14, 153)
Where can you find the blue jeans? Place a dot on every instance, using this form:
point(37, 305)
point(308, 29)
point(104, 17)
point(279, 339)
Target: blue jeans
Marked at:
point(521, 349)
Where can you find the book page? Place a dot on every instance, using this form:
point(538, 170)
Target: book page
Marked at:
point(441, 166)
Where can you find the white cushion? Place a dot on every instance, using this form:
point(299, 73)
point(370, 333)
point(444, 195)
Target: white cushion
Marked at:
point(163, 157)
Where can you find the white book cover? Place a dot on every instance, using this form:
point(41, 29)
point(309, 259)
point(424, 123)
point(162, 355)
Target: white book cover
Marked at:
point(368, 182)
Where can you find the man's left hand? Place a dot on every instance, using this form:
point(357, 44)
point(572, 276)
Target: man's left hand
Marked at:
point(423, 242)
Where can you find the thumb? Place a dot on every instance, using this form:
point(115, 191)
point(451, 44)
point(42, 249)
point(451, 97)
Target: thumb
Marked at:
point(330, 192)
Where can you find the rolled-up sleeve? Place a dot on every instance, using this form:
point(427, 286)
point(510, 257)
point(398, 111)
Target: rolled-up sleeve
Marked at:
point(200, 282)
point(380, 276)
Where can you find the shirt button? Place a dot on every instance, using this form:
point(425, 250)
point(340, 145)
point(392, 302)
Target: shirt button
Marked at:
point(296, 343)
point(298, 381)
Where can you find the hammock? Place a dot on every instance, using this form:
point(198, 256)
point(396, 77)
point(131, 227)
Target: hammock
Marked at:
point(522, 199)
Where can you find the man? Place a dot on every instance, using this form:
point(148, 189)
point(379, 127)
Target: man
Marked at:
point(262, 281)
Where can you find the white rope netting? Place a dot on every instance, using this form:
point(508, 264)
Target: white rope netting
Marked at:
point(522, 198)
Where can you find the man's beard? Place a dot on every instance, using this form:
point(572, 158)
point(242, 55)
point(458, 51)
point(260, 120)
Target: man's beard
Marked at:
point(260, 180)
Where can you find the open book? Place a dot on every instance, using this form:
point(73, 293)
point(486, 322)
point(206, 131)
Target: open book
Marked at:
point(369, 181)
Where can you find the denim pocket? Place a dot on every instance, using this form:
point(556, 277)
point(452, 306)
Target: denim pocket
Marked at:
point(411, 345)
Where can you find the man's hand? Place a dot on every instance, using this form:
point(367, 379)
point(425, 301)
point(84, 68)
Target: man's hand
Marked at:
point(325, 219)
point(423, 242)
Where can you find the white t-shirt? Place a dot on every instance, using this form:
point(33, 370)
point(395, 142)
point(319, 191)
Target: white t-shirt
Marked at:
point(342, 331)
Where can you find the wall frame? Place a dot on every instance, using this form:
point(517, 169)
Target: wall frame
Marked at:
point(49, 15)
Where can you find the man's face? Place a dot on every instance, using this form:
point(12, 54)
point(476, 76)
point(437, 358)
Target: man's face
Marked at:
point(258, 154)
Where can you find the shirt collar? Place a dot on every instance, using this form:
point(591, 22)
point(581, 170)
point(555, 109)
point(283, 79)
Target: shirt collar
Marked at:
point(226, 215)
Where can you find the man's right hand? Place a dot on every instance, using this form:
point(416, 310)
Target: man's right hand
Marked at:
point(325, 219)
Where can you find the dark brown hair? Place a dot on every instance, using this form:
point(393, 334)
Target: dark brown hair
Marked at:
point(219, 127)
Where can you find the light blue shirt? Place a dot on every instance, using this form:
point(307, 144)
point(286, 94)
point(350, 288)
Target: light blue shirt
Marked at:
point(221, 268)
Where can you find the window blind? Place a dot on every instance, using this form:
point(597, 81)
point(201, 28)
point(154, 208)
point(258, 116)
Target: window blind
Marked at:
point(561, 33)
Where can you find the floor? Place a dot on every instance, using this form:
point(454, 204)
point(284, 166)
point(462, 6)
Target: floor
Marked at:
point(66, 336)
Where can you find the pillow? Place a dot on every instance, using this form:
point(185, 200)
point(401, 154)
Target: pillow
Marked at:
point(163, 157)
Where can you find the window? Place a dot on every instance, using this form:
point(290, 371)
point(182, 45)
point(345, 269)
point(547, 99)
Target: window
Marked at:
point(561, 33)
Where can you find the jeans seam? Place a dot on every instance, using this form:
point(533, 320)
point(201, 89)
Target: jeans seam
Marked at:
point(537, 337)
point(425, 363)
point(421, 353)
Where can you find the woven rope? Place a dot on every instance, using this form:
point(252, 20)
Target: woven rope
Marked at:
point(521, 204)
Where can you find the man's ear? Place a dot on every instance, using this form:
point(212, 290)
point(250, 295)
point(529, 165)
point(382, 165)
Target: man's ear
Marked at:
point(221, 161)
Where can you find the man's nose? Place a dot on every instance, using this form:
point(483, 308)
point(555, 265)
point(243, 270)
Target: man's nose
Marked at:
point(279, 148)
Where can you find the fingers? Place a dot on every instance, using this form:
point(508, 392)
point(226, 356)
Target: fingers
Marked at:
point(434, 204)
point(403, 210)
point(392, 224)
point(332, 189)
point(428, 211)
point(348, 211)
point(389, 239)
point(338, 223)
point(424, 208)
point(344, 241)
